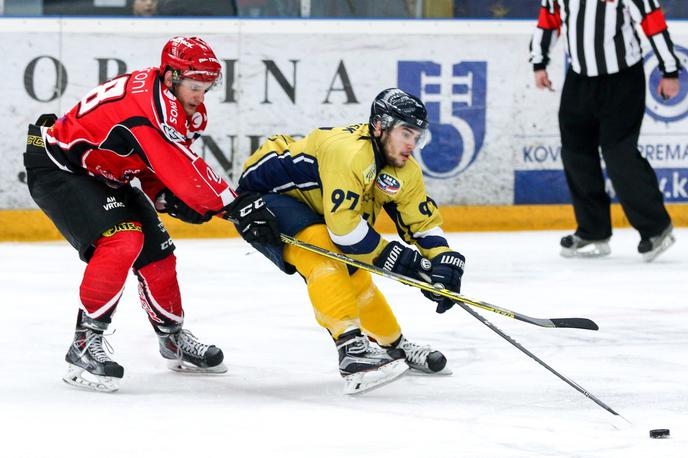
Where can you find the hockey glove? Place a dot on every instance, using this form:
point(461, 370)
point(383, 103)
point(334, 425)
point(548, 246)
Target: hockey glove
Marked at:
point(447, 270)
point(166, 202)
point(402, 260)
point(254, 221)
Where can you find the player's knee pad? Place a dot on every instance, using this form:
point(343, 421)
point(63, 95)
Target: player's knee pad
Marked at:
point(159, 293)
point(124, 241)
point(115, 252)
point(362, 282)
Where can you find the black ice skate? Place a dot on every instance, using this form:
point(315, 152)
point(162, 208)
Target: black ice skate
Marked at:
point(654, 246)
point(365, 367)
point(184, 353)
point(422, 358)
point(89, 366)
point(573, 246)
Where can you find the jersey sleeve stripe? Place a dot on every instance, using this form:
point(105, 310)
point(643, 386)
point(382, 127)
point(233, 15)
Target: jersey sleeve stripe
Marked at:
point(430, 242)
point(549, 20)
point(432, 238)
point(362, 240)
point(281, 173)
point(654, 23)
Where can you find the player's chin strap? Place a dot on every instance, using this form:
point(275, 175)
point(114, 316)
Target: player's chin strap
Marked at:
point(579, 323)
point(464, 302)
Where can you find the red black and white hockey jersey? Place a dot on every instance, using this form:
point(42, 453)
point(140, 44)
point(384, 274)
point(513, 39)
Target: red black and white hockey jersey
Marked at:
point(133, 126)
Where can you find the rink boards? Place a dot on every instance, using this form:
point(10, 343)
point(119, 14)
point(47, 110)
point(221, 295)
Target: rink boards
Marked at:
point(493, 162)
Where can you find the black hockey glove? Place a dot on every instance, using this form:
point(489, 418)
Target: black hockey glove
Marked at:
point(166, 202)
point(447, 270)
point(402, 260)
point(254, 221)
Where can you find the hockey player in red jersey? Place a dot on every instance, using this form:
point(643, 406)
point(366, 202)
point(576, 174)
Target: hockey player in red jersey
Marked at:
point(79, 171)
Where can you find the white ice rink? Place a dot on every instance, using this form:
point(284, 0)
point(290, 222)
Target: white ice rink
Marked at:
point(282, 395)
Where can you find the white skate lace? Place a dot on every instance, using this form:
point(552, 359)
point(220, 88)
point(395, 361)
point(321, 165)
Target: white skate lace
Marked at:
point(93, 343)
point(415, 353)
point(356, 345)
point(188, 343)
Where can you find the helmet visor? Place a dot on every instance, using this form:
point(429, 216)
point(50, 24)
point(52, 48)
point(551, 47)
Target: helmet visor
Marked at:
point(198, 86)
point(408, 133)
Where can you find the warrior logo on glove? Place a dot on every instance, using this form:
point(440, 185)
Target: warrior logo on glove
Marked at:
point(447, 271)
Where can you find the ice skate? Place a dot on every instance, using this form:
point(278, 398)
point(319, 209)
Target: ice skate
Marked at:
point(573, 246)
point(422, 359)
point(365, 367)
point(184, 353)
point(89, 365)
point(654, 246)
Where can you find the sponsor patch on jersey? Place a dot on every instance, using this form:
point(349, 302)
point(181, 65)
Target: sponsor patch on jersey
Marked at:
point(172, 133)
point(196, 120)
point(121, 227)
point(112, 203)
point(387, 184)
point(369, 174)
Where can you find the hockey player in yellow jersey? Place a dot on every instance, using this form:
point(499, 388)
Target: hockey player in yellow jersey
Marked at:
point(327, 189)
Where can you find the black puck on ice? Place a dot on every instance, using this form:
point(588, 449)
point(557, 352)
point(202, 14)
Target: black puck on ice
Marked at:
point(659, 433)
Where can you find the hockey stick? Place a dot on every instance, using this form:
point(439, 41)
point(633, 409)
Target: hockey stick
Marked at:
point(508, 338)
point(578, 323)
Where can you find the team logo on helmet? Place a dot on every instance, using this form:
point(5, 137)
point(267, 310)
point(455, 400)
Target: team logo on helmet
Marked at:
point(659, 109)
point(387, 184)
point(456, 112)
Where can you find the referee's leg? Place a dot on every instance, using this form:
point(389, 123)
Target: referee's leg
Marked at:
point(634, 180)
point(581, 159)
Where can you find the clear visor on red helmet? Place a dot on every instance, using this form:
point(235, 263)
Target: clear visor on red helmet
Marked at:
point(197, 79)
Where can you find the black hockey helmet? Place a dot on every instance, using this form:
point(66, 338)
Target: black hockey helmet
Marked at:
point(393, 106)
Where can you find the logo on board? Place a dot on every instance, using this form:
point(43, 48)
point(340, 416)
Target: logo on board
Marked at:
point(455, 97)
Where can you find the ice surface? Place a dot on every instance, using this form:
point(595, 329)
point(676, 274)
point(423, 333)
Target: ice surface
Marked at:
point(282, 395)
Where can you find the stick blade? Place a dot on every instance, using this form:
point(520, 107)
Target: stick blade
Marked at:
point(578, 323)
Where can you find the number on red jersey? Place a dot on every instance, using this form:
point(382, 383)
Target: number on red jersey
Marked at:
point(106, 92)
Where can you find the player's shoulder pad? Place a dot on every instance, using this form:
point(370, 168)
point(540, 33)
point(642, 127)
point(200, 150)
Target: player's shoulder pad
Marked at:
point(349, 142)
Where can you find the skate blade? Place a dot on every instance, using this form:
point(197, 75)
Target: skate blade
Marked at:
point(593, 250)
point(666, 243)
point(361, 382)
point(80, 378)
point(421, 373)
point(188, 368)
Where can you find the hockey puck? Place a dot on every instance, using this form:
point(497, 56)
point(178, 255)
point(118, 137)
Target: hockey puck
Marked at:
point(659, 433)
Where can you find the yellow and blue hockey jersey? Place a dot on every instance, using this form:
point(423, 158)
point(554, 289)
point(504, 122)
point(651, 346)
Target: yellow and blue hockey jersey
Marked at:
point(339, 174)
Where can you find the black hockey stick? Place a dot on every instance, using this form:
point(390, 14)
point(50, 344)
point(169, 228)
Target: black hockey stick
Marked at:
point(578, 323)
point(508, 338)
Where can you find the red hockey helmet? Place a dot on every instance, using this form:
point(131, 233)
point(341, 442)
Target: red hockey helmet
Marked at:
point(190, 57)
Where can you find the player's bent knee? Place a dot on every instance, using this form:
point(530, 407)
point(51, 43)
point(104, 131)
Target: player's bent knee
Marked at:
point(126, 239)
point(163, 270)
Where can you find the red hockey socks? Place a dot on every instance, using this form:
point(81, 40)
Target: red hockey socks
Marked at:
point(107, 269)
point(159, 293)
